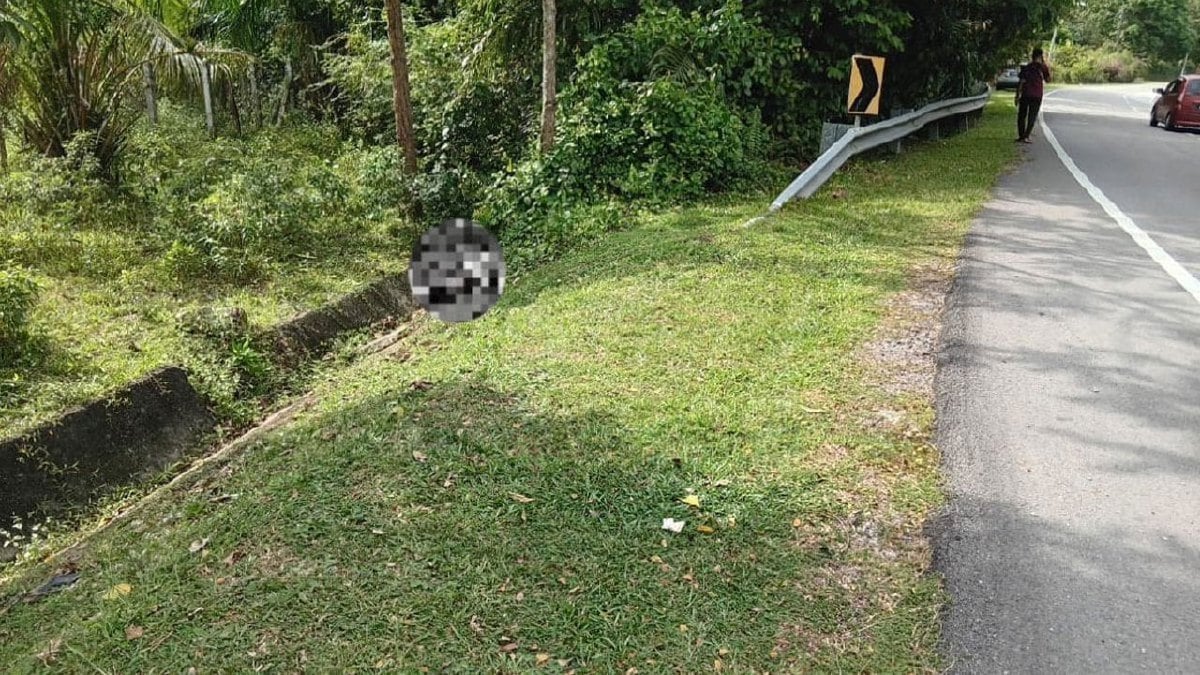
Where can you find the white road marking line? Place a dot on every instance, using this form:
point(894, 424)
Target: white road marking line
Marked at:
point(1059, 109)
point(1156, 252)
point(1132, 106)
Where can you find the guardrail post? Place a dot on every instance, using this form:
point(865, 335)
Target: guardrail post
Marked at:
point(898, 146)
point(933, 130)
point(831, 133)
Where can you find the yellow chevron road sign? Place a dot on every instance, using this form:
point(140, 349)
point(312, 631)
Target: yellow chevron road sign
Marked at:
point(866, 84)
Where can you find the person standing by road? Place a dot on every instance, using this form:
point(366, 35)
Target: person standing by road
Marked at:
point(1030, 89)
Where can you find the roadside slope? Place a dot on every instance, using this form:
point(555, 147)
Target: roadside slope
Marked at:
point(491, 496)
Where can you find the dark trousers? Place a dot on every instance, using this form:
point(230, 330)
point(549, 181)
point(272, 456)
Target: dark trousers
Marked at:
point(1027, 113)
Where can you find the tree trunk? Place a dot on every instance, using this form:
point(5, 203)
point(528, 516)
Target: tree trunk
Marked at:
point(233, 109)
point(151, 93)
point(401, 103)
point(4, 56)
point(284, 91)
point(206, 86)
point(549, 74)
point(258, 118)
point(3, 146)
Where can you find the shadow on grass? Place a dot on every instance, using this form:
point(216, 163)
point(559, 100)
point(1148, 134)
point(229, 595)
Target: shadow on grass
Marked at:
point(428, 523)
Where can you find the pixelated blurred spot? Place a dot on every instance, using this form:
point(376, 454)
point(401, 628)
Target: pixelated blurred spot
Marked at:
point(457, 272)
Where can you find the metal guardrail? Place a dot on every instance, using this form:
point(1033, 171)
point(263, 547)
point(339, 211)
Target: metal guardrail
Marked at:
point(861, 139)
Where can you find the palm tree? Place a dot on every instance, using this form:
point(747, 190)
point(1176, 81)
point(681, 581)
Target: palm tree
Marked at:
point(77, 63)
point(70, 73)
point(290, 29)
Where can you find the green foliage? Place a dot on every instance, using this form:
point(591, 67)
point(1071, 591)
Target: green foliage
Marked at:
point(1076, 64)
point(645, 119)
point(228, 210)
point(71, 70)
point(653, 140)
point(1153, 31)
point(226, 363)
point(268, 209)
point(466, 118)
point(63, 191)
point(18, 293)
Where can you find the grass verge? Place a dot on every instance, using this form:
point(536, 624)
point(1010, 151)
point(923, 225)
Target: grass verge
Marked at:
point(490, 498)
point(114, 301)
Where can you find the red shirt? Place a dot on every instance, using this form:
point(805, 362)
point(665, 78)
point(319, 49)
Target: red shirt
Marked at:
point(1034, 76)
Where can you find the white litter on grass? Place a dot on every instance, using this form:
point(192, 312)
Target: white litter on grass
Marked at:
point(672, 525)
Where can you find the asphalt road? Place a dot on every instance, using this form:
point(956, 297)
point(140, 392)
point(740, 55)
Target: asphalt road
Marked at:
point(1069, 404)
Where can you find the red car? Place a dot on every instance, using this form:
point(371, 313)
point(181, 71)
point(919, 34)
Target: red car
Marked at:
point(1178, 104)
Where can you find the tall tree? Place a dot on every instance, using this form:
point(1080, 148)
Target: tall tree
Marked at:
point(1158, 30)
point(151, 85)
point(206, 90)
point(549, 74)
point(401, 100)
point(9, 36)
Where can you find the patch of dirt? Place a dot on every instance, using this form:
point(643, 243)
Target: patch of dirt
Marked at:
point(903, 353)
point(875, 555)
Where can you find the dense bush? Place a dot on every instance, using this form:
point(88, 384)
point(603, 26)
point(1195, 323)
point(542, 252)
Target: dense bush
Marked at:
point(64, 191)
point(229, 209)
point(269, 210)
point(1075, 64)
point(647, 117)
point(466, 116)
point(660, 101)
point(18, 292)
point(470, 120)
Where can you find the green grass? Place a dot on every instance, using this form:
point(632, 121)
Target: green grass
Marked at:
point(106, 315)
point(505, 483)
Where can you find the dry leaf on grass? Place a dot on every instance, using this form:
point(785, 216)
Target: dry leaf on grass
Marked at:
point(692, 501)
point(50, 654)
point(420, 456)
point(120, 590)
point(543, 659)
point(134, 632)
point(704, 529)
point(198, 545)
point(520, 498)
